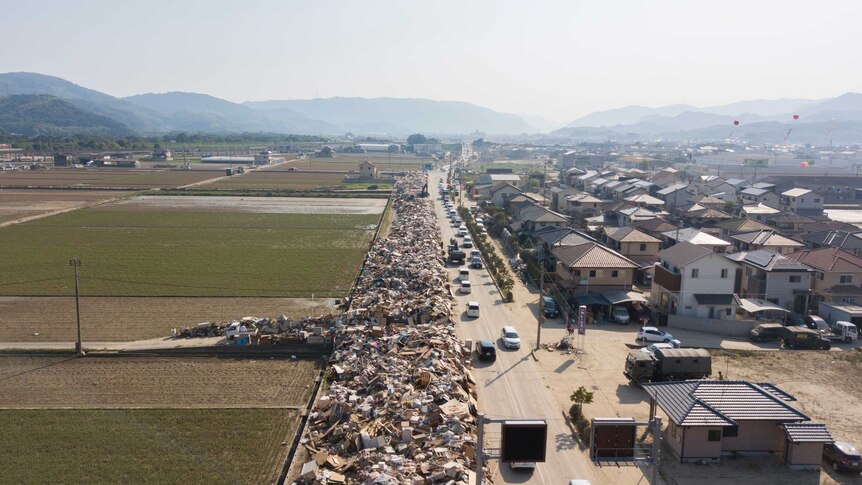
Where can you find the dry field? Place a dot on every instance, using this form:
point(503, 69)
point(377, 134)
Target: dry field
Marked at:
point(342, 163)
point(104, 177)
point(62, 381)
point(18, 203)
point(117, 319)
point(278, 179)
point(260, 205)
point(170, 446)
point(825, 384)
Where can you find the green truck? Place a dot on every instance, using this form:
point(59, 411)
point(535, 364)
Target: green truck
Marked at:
point(668, 365)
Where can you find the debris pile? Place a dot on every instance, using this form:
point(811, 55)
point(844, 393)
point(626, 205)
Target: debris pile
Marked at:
point(401, 404)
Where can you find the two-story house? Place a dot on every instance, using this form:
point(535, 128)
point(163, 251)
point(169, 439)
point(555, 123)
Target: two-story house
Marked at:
point(846, 240)
point(802, 201)
point(583, 204)
point(769, 240)
point(696, 237)
point(838, 274)
point(758, 212)
point(633, 244)
point(674, 196)
point(502, 192)
point(751, 196)
point(769, 276)
point(692, 280)
point(592, 268)
point(736, 226)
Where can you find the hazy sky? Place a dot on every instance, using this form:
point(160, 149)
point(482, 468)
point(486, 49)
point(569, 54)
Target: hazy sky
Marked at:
point(559, 60)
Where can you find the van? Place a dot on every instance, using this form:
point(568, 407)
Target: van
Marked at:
point(465, 287)
point(473, 309)
point(845, 331)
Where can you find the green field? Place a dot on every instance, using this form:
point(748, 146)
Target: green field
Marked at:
point(143, 445)
point(185, 253)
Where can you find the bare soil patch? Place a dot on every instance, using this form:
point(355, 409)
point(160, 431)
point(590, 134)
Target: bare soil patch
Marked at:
point(269, 205)
point(116, 319)
point(18, 203)
point(104, 177)
point(62, 381)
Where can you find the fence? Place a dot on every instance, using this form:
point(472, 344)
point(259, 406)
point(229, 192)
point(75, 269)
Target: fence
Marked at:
point(729, 328)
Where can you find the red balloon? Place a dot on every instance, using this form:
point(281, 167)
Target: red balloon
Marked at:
point(735, 122)
point(795, 117)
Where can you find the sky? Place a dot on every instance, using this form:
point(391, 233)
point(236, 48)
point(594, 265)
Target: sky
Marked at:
point(553, 59)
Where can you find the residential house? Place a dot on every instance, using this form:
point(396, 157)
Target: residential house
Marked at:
point(367, 170)
point(646, 201)
point(558, 197)
point(627, 216)
point(674, 196)
point(701, 216)
point(581, 181)
point(696, 237)
point(769, 240)
point(769, 276)
point(592, 268)
point(535, 217)
point(735, 226)
point(790, 223)
point(709, 419)
point(496, 178)
point(654, 227)
point(846, 240)
point(692, 280)
point(583, 205)
point(502, 192)
point(633, 244)
point(752, 195)
point(758, 212)
point(802, 201)
point(838, 276)
point(667, 177)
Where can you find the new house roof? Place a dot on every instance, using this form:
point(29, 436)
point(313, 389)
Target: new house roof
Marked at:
point(796, 192)
point(720, 403)
point(807, 433)
point(767, 261)
point(645, 199)
point(591, 255)
point(683, 253)
point(828, 259)
point(742, 225)
point(766, 238)
point(759, 209)
point(694, 236)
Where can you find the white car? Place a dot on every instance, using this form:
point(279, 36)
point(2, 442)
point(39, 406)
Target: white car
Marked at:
point(511, 339)
point(652, 334)
point(653, 347)
point(473, 309)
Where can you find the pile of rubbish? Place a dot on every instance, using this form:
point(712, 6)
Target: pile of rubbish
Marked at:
point(267, 330)
point(401, 405)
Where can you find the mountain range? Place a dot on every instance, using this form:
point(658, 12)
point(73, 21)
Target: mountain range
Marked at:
point(34, 104)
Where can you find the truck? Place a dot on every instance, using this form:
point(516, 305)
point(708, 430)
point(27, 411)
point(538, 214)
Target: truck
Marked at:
point(668, 365)
point(456, 256)
point(844, 320)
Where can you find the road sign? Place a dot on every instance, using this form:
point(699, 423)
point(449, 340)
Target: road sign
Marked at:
point(523, 440)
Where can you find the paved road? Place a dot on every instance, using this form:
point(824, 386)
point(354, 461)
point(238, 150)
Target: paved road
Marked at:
point(513, 386)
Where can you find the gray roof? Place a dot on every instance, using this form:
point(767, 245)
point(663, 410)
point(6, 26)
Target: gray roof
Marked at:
point(673, 188)
point(767, 261)
point(836, 238)
point(753, 191)
point(681, 254)
point(807, 433)
point(720, 403)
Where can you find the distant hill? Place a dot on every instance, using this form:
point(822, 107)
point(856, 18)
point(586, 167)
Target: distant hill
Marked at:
point(42, 114)
point(401, 116)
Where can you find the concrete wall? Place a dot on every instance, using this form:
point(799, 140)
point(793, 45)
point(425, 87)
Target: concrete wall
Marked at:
point(756, 436)
point(730, 328)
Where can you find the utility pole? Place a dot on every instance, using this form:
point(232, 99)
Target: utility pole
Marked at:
point(480, 447)
point(79, 350)
point(541, 306)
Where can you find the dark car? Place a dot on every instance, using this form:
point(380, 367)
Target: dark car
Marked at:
point(767, 331)
point(843, 457)
point(550, 307)
point(486, 350)
point(801, 338)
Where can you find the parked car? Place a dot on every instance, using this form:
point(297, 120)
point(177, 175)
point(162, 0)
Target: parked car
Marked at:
point(550, 307)
point(801, 338)
point(653, 347)
point(511, 339)
point(652, 334)
point(766, 332)
point(620, 315)
point(816, 323)
point(486, 350)
point(843, 457)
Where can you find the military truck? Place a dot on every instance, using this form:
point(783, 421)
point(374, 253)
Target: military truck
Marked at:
point(456, 256)
point(668, 365)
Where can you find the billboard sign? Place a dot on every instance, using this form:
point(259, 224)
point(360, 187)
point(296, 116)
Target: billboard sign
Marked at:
point(524, 440)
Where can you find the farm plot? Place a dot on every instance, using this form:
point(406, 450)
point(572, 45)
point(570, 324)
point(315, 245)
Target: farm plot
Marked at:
point(144, 445)
point(19, 203)
point(120, 319)
point(285, 180)
point(186, 253)
point(104, 177)
point(342, 163)
point(61, 381)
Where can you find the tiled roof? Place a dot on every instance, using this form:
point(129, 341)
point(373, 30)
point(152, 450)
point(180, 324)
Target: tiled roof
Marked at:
point(766, 238)
point(807, 433)
point(839, 239)
point(789, 216)
point(767, 261)
point(720, 403)
point(654, 225)
point(828, 259)
point(673, 188)
point(742, 225)
point(629, 234)
point(753, 191)
point(583, 197)
point(681, 254)
point(591, 255)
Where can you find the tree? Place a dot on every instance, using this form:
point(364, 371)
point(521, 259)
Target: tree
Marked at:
point(416, 138)
point(580, 397)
